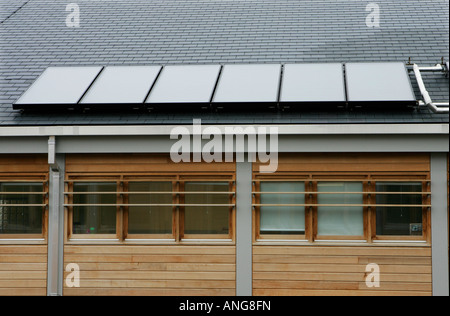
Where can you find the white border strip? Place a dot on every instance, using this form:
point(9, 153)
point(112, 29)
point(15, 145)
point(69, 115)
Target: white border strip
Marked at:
point(162, 130)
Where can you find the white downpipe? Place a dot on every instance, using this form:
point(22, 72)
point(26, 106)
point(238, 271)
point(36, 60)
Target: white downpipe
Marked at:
point(434, 107)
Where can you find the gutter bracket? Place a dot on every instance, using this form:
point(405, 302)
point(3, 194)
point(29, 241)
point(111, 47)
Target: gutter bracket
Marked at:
point(52, 153)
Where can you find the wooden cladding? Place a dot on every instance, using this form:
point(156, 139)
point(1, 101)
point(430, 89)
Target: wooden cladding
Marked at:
point(126, 163)
point(153, 270)
point(23, 270)
point(340, 271)
point(352, 162)
point(14, 164)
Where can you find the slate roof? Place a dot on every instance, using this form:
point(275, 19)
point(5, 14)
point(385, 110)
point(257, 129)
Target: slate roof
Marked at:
point(34, 36)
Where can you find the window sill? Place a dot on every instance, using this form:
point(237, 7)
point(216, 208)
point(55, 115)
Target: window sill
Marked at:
point(150, 242)
point(341, 243)
point(23, 241)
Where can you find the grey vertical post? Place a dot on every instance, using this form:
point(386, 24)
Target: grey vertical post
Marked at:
point(439, 224)
point(55, 227)
point(244, 229)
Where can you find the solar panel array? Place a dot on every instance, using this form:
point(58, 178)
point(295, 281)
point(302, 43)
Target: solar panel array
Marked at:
point(248, 87)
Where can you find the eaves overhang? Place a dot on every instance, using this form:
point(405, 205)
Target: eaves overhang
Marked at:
point(161, 130)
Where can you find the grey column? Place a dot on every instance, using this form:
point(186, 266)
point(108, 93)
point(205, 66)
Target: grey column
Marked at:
point(439, 224)
point(244, 229)
point(56, 228)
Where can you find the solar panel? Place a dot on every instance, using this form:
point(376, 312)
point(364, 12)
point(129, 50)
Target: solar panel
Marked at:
point(313, 83)
point(248, 83)
point(185, 84)
point(122, 85)
point(58, 86)
point(378, 83)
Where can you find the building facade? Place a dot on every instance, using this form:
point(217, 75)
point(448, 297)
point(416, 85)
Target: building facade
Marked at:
point(92, 201)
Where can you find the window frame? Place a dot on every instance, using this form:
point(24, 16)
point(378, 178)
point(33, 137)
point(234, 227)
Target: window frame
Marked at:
point(316, 236)
point(256, 201)
point(122, 207)
point(29, 178)
point(368, 180)
point(426, 210)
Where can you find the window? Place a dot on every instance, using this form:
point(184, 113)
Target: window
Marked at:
point(22, 209)
point(210, 213)
point(172, 208)
point(154, 215)
point(283, 211)
point(340, 209)
point(360, 207)
point(399, 209)
point(94, 212)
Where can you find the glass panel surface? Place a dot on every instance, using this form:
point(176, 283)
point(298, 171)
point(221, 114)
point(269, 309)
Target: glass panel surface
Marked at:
point(313, 83)
point(60, 85)
point(122, 84)
point(21, 219)
point(248, 83)
point(185, 84)
point(94, 219)
point(345, 220)
point(207, 219)
point(150, 219)
point(399, 221)
point(283, 220)
point(378, 82)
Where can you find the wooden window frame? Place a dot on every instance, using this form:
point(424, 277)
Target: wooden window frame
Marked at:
point(426, 208)
point(178, 206)
point(29, 178)
point(342, 178)
point(69, 205)
point(256, 214)
point(368, 180)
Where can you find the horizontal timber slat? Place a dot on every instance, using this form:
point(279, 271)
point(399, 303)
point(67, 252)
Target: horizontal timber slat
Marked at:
point(319, 268)
point(343, 251)
point(159, 266)
point(153, 270)
point(23, 270)
point(23, 163)
point(147, 292)
point(364, 162)
point(80, 258)
point(149, 250)
point(341, 271)
point(205, 284)
point(308, 276)
point(336, 285)
point(23, 291)
point(157, 275)
point(291, 292)
point(139, 163)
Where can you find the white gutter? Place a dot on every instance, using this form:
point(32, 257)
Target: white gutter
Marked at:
point(164, 130)
point(438, 108)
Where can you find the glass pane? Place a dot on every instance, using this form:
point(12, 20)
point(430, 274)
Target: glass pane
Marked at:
point(207, 219)
point(185, 84)
point(248, 83)
point(340, 220)
point(150, 219)
point(122, 84)
point(283, 220)
point(399, 221)
point(94, 219)
point(21, 219)
point(313, 83)
point(60, 85)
